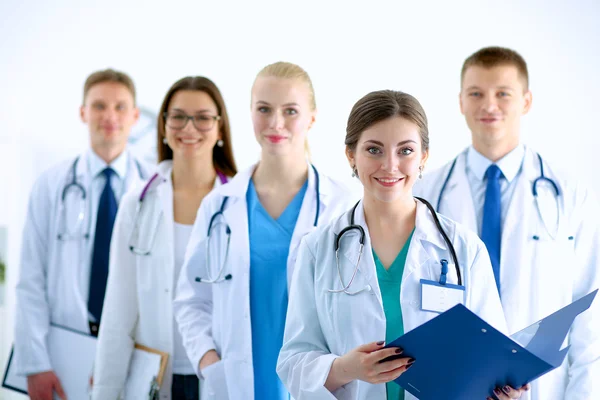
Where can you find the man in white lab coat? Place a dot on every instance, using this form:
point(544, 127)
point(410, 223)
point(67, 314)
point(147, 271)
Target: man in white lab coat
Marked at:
point(541, 227)
point(64, 259)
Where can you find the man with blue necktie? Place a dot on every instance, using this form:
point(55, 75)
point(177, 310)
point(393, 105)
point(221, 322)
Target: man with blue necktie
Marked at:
point(67, 233)
point(541, 228)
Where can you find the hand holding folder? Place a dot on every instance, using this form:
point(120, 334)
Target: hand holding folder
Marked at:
point(482, 358)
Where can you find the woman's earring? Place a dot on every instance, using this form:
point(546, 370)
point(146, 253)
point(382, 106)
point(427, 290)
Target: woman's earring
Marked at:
point(421, 172)
point(354, 172)
point(220, 142)
point(165, 140)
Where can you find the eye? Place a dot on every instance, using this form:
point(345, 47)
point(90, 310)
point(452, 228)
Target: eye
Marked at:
point(98, 106)
point(407, 151)
point(263, 110)
point(178, 117)
point(475, 94)
point(120, 107)
point(203, 118)
point(374, 150)
point(503, 94)
point(291, 111)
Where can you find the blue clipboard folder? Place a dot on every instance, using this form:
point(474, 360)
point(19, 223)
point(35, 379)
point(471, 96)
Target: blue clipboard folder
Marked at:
point(460, 356)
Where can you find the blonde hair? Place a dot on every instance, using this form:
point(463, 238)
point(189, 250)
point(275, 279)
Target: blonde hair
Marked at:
point(286, 70)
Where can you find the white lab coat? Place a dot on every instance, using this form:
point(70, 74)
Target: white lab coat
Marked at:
point(52, 280)
point(217, 316)
point(322, 326)
point(138, 304)
point(538, 277)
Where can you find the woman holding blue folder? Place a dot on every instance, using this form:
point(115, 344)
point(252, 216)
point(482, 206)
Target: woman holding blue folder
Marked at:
point(381, 269)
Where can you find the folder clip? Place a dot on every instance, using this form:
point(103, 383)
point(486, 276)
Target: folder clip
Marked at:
point(154, 389)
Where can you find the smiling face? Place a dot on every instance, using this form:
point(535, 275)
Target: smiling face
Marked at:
point(192, 138)
point(387, 158)
point(493, 101)
point(281, 114)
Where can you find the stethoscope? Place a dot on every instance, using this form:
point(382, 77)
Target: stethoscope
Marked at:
point(75, 186)
point(134, 246)
point(534, 190)
point(219, 216)
point(361, 241)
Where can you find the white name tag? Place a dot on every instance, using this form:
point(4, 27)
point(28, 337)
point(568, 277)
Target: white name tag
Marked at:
point(438, 298)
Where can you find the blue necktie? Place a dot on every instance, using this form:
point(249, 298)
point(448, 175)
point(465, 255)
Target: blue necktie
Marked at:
point(491, 228)
point(107, 210)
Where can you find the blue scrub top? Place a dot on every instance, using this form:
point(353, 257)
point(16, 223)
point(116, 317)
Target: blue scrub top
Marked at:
point(269, 247)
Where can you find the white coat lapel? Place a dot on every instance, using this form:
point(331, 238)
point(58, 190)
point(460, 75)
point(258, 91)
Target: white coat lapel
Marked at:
point(457, 201)
point(165, 195)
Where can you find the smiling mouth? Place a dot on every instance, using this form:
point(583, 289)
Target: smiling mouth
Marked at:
point(190, 141)
point(388, 181)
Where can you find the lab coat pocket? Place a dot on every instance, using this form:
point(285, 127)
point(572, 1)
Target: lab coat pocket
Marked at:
point(214, 383)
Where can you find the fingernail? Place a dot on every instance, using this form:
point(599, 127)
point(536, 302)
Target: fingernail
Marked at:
point(408, 366)
point(506, 389)
point(410, 361)
point(380, 343)
point(497, 392)
point(399, 350)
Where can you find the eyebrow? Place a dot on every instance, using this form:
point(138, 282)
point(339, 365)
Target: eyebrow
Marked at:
point(283, 105)
point(378, 143)
point(499, 87)
point(203, 110)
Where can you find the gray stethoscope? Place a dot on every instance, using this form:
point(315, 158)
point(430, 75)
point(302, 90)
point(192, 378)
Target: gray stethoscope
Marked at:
point(214, 223)
point(534, 190)
point(134, 245)
point(361, 240)
point(72, 187)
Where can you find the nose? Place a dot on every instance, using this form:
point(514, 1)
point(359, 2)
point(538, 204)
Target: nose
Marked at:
point(490, 104)
point(390, 162)
point(277, 121)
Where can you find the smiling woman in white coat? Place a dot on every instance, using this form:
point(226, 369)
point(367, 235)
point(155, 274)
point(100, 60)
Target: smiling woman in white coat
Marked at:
point(232, 294)
point(343, 309)
point(150, 236)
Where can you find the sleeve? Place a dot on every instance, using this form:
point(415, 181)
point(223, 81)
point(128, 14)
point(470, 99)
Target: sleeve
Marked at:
point(305, 360)
point(120, 312)
point(483, 294)
point(32, 312)
point(193, 304)
point(584, 337)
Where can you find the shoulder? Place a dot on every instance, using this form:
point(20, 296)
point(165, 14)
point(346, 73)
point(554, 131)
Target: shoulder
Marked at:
point(324, 235)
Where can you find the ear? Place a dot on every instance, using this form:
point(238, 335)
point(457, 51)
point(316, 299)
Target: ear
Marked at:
point(136, 114)
point(82, 114)
point(527, 100)
point(350, 157)
point(424, 158)
point(460, 102)
point(313, 118)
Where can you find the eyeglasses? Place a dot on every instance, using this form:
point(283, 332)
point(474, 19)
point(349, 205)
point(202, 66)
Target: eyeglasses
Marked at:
point(202, 122)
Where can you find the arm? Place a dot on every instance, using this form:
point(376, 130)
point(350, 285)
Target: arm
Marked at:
point(120, 313)
point(584, 337)
point(32, 321)
point(192, 306)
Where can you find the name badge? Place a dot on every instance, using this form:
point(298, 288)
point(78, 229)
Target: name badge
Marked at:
point(437, 297)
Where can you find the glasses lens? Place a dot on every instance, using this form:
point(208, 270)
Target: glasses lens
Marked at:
point(204, 122)
point(176, 120)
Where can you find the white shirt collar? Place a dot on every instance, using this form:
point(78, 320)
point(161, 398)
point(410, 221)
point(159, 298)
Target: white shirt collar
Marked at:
point(510, 164)
point(97, 165)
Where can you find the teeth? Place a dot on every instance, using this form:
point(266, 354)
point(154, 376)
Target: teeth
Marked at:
point(189, 141)
point(388, 180)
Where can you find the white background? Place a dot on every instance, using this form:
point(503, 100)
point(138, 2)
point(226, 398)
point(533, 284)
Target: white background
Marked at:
point(349, 48)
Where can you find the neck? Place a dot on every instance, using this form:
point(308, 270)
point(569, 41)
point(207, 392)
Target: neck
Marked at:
point(390, 215)
point(193, 173)
point(495, 151)
point(279, 171)
point(108, 154)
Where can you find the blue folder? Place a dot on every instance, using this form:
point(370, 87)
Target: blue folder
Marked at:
point(460, 356)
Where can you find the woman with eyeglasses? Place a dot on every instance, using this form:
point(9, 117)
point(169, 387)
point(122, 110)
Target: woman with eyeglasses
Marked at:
point(151, 232)
point(232, 294)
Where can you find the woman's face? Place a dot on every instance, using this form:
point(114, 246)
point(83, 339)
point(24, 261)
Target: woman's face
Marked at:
point(387, 157)
point(281, 114)
point(192, 138)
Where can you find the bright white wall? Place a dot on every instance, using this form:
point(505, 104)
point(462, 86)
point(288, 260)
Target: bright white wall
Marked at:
point(349, 48)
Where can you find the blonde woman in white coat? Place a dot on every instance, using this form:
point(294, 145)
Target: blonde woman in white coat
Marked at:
point(335, 334)
point(232, 294)
point(148, 245)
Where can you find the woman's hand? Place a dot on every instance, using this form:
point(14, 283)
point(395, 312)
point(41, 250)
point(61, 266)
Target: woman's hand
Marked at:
point(508, 393)
point(209, 358)
point(366, 363)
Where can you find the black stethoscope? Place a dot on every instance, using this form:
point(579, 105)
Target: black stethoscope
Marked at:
point(361, 241)
point(213, 223)
point(76, 186)
point(534, 190)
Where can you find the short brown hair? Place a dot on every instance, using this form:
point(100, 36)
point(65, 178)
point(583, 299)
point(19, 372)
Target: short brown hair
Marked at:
point(108, 75)
point(222, 156)
point(490, 57)
point(381, 105)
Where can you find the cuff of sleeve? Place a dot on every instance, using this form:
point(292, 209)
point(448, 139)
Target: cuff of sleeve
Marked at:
point(199, 351)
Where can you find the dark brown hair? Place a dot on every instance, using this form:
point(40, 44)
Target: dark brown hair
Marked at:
point(381, 105)
point(222, 156)
point(108, 75)
point(490, 57)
